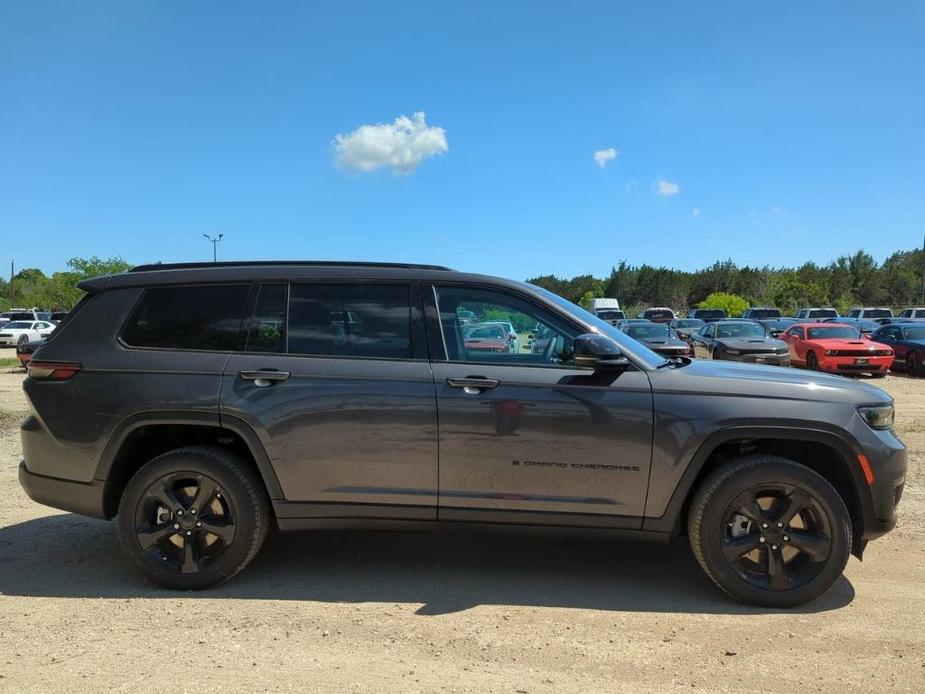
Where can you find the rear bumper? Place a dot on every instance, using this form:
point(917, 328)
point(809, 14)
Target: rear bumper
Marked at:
point(76, 497)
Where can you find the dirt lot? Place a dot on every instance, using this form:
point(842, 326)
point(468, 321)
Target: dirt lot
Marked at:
point(445, 612)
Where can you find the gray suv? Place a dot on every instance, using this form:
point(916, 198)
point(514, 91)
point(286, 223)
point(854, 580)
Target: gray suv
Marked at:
point(200, 404)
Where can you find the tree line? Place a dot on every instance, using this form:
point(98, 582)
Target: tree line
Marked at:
point(56, 292)
point(850, 280)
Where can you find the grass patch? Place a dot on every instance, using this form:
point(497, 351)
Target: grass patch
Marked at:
point(6, 362)
point(11, 419)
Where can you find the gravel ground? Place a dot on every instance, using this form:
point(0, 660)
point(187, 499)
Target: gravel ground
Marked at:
point(445, 612)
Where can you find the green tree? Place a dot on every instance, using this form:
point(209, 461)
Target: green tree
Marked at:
point(733, 304)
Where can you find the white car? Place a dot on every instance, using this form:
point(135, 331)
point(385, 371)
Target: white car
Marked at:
point(19, 332)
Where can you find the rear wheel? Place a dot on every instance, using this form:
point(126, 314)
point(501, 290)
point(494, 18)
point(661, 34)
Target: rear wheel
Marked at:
point(193, 517)
point(23, 339)
point(812, 363)
point(769, 531)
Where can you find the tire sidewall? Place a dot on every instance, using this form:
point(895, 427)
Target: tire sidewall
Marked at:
point(237, 494)
point(775, 471)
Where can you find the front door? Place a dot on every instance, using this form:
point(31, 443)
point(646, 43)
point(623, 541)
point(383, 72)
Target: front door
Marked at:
point(524, 435)
point(336, 384)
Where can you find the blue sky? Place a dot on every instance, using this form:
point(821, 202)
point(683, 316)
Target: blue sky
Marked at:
point(792, 131)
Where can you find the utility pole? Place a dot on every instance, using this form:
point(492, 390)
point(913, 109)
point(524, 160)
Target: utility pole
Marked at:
point(923, 271)
point(12, 286)
point(214, 241)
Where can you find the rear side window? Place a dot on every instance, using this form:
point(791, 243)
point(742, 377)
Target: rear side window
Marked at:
point(266, 331)
point(350, 320)
point(191, 317)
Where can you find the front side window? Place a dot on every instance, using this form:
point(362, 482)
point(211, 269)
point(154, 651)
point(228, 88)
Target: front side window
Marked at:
point(188, 317)
point(350, 320)
point(740, 330)
point(505, 329)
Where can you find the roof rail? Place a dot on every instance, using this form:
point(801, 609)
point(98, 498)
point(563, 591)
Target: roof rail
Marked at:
point(282, 263)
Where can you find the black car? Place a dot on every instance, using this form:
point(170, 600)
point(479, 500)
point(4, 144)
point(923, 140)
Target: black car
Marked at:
point(201, 404)
point(685, 327)
point(908, 343)
point(707, 315)
point(659, 338)
point(740, 340)
point(776, 326)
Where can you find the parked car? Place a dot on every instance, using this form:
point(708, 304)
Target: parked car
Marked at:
point(466, 317)
point(761, 312)
point(488, 338)
point(776, 326)
point(659, 338)
point(658, 314)
point(611, 315)
point(805, 315)
point(739, 340)
point(907, 340)
point(25, 350)
point(685, 327)
point(604, 303)
point(864, 325)
point(23, 314)
point(707, 315)
point(869, 312)
point(912, 313)
point(156, 405)
point(19, 332)
point(836, 348)
point(57, 317)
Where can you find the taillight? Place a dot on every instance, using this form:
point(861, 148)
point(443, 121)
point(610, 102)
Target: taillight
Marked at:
point(52, 370)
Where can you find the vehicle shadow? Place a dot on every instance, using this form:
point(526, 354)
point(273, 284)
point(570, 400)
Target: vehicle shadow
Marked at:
point(445, 571)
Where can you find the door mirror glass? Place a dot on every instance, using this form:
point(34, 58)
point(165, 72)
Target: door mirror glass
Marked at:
point(599, 353)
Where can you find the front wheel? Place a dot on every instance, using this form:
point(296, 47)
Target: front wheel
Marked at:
point(913, 364)
point(193, 517)
point(812, 363)
point(769, 531)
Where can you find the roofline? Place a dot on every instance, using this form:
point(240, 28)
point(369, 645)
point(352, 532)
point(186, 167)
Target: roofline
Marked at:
point(283, 263)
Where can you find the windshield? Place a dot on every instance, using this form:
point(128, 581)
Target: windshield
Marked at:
point(765, 313)
point(692, 323)
point(655, 331)
point(18, 325)
point(494, 332)
point(740, 330)
point(658, 314)
point(833, 333)
point(643, 354)
point(611, 315)
point(711, 313)
point(916, 333)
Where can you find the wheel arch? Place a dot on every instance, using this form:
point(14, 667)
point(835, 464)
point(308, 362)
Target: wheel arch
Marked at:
point(142, 437)
point(825, 452)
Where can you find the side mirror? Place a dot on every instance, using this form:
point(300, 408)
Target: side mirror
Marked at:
point(867, 336)
point(599, 353)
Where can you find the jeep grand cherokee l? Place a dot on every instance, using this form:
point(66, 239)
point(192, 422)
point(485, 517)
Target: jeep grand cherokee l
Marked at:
point(199, 404)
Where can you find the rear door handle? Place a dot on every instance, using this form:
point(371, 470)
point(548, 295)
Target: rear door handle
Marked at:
point(265, 378)
point(473, 385)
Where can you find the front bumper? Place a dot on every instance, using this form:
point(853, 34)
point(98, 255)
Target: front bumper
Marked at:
point(76, 497)
point(842, 365)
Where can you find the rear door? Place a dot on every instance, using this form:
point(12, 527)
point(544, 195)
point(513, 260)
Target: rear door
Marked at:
point(524, 435)
point(334, 379)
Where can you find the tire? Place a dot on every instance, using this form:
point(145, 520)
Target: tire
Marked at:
point(160, 508)
point(23, 339)
point(913, 363)
point(812, 363)
point(745, 566)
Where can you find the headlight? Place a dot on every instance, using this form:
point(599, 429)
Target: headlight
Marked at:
point(831, 352)
point(878, 416)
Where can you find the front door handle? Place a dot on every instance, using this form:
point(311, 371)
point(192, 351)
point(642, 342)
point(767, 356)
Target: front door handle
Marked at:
point(473, 385)
point(265, 378)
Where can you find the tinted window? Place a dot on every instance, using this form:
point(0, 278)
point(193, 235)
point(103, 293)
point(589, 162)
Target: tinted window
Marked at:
point(834, 332)
point(710, 313)
point(764, 313)
point(193, 317)
point(878, 313)
point(742, 330)
point(916, 333)
point(266, 330)
point(350, 320)
point(538, 339)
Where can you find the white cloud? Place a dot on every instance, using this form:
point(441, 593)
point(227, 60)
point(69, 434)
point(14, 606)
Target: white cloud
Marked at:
point(695, 212)
point(631, 185)
point(603, 156)
point(402, 145)
point(666, 188)
point(780, 211)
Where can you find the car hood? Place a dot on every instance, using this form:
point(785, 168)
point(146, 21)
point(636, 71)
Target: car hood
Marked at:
point(751, 344)
point(834, 343)
point(753, 380)
point(664, 344)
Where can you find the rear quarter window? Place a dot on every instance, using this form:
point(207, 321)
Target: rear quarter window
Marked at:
point(188, 317)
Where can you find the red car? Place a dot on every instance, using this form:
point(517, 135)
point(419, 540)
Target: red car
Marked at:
point(487, 338)
point(836, 348)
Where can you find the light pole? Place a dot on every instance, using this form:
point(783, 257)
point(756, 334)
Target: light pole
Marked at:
point(214, 241)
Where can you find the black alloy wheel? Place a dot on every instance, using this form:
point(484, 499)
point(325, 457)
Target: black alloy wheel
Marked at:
point(913, 364)
point(812, 363)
